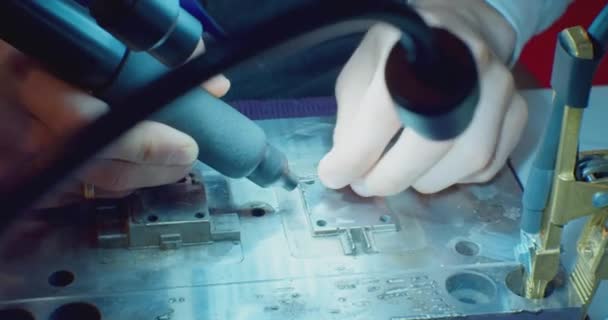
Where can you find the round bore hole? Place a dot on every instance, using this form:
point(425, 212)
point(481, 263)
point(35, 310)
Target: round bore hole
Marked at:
point(258, 212)
point(385, 218)
point(76, 311)
point(321, 223)
point(152, 218)
point(471, 288)
point(16, 314)
point(516, 283)
point(199, 215)
point(467, 248)
point(61, 278)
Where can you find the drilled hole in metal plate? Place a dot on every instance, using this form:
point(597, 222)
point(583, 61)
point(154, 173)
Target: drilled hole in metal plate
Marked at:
point(152, 218)
point(199, 215)
point(258, 212)
point(16, 314)
point(321, 223)
point(385, 218)
point(76, 311)
point(61, 278)
point(516, 283)
point(471, 288)
point(467, 248)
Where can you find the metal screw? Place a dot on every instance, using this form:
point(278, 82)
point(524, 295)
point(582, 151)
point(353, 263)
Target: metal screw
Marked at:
point(587, 251)
point(600, 199)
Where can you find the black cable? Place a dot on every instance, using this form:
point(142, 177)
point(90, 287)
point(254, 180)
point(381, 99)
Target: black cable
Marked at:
point(219, 57)
point(599, 29)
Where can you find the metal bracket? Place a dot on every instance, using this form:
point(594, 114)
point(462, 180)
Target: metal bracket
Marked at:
point(166, 217)
point(352, 219)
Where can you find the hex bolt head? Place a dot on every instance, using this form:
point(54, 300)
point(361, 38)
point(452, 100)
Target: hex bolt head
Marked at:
point(600, 199)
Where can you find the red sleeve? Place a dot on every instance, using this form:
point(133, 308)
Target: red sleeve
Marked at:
point(537, 55)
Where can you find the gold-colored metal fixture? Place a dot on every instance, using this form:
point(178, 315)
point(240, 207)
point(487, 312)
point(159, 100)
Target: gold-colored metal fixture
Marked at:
point(579, 188)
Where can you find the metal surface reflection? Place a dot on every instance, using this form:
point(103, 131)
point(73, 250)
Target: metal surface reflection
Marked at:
point(311, 253)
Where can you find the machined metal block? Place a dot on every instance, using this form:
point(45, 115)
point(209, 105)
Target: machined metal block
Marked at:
point(265, 256)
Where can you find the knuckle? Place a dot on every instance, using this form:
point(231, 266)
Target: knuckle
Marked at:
point(489, 173)
point(144, 145)
point(192, 150)
point(520, 106)
point(478, 156)
point(481, 52)
point(484, 177)
point(381, 37)
point(509, 81)
point(479, 161)
point(117, 182)
point(114, 178)
point(387, 187)
point(487, 177)
point(431, 184)
point(146, 152)
point(426, 189)
point(382, 30)
point(504, 78)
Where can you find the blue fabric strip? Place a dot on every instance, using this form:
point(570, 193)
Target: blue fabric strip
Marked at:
point(288, 108)
point(198, 11)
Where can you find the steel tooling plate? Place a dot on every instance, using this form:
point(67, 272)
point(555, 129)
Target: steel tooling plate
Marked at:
point(309, 254)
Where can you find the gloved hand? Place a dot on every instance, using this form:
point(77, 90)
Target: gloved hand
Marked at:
point(367, 117)
point(37, 111)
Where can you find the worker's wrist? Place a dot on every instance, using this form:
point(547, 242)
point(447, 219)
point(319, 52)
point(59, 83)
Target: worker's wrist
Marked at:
point(501, 30)
point(498, 32)
point(479, 17)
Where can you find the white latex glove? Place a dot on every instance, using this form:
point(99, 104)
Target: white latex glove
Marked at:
point(37, 111)
point(367, 117)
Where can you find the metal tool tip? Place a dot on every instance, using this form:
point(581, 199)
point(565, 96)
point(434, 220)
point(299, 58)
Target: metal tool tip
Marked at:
point(289, 181)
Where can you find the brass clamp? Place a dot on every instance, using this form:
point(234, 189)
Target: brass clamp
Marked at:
point(578, 181)
point(592, 260)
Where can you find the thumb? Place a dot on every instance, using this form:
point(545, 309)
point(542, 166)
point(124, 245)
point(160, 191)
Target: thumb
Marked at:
point(218, 86)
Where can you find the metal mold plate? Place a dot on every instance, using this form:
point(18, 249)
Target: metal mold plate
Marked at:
point(331, 211)
point(444, 256)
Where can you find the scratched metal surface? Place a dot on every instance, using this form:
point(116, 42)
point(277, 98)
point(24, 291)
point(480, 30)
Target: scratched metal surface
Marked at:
point(319, 255)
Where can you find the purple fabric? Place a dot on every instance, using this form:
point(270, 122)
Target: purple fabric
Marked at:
point(287, 108)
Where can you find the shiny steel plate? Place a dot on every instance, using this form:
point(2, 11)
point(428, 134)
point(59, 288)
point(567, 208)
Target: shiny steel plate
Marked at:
point(312, 254)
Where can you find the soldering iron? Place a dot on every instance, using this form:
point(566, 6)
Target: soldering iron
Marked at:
point(134, 55)
point(145, 40)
